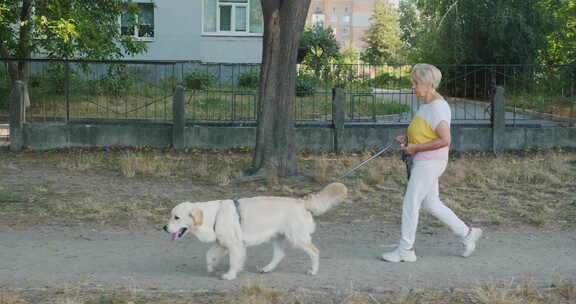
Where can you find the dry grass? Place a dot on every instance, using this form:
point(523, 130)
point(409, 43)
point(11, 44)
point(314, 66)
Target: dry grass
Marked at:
point(536, 188)
point(255, 294)
point(81, 161)
point(10, 297)
point(524, 293)
point(563, 292)
point(147, 164)
point(320, 169)
point(157, 164)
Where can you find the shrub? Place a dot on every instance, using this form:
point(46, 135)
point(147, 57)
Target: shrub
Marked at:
point(305, 85)
point(117, 82)
point(168, 84)
point(250, 79)
point(53, 79)
point(199, 80)
point(387, 80)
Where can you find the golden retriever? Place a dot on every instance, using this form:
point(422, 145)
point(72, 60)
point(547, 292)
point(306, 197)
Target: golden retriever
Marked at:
point(235, 225)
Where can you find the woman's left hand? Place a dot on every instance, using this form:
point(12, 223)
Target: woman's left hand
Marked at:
point(409, 149)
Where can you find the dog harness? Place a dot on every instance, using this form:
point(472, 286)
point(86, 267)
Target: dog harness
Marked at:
point(237, 205)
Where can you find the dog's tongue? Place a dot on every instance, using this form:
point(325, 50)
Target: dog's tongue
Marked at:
point(174, 236)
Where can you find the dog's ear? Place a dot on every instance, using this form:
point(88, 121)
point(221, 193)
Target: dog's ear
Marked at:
point(198, 216)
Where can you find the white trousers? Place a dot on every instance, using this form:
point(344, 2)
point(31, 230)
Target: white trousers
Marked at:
point(422, 191)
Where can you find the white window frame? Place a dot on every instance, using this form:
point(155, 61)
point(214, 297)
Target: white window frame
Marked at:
point(232, 32)
point(319, 19)
point(136, 26)
point(346, 19)
point(233, 6)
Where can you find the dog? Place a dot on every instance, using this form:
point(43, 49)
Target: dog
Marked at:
point(234, 225)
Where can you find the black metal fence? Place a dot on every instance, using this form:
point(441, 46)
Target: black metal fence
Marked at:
point(68, 90)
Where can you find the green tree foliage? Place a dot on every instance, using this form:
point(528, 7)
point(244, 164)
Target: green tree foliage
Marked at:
point(383, 36)
point(408, 18)
point(410, 26)
point(349, 55)
point(562, 38)
point(66, 29)
point(481, 31)
point(63, 29)
point(321, 47)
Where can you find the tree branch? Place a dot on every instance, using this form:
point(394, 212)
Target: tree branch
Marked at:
point(24, 47)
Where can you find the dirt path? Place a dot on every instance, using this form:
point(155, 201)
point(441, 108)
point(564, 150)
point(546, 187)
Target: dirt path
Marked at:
point(44, 256)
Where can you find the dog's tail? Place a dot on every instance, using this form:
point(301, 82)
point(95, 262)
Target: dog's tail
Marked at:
point(327, 198)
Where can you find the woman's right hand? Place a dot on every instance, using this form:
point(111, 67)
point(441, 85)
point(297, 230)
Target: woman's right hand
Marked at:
point(401, 139)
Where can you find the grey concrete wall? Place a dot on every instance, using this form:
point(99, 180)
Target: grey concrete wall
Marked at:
point(55, 135)
point(43, 136)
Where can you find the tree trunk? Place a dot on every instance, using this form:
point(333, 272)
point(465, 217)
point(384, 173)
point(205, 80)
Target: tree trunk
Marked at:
point(20, 71)
point(275, 138)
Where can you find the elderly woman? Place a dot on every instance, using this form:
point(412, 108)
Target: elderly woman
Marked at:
point(427, 142)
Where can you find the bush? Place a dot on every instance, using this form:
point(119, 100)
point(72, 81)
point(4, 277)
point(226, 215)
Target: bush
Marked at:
point(250, 79)
point(387, 80)
point(168, 84)
point(117, 82)
point(199, 80)
point(53, 79)
point(305, 85)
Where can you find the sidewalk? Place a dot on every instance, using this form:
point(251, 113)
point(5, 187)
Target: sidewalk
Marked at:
point(58, 257)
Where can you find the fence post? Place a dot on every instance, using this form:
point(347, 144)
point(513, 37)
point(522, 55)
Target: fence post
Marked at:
point(338, 117)
point(17, 116)
point(179, 121)
point(498, 120)
point(67, 89)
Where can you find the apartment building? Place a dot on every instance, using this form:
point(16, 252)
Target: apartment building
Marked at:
point(350, 19)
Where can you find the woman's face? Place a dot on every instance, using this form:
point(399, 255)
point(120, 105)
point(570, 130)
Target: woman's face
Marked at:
point(421, 89)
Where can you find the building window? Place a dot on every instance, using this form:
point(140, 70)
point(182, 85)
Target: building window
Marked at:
point(318, 19)
point(140, 26)
point(233, 17)
point(346, 19)
point(345, 25)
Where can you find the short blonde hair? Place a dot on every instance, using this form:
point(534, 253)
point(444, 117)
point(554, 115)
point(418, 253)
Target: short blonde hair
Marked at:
point(427, 74)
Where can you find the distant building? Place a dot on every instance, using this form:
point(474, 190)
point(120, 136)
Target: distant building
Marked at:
point(350, 19)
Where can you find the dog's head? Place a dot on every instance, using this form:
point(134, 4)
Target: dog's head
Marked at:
point(184, 217)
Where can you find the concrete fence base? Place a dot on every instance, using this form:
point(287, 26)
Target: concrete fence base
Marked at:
point(322, 139)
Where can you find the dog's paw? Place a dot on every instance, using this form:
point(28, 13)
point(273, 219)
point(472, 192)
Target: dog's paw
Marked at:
point(229, 276)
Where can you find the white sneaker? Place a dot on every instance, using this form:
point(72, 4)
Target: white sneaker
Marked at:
point(470, 241)
point(400, 255)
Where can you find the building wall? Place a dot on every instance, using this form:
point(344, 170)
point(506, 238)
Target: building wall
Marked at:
point(178, 36)
point(335, 13)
